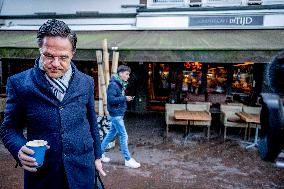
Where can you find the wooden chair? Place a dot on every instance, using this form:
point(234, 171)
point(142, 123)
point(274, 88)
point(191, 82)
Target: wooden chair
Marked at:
point(169, 116)
point(251, 110)
point(230, 119)
point(234, 104)
point(201, 106)
point(208, 104)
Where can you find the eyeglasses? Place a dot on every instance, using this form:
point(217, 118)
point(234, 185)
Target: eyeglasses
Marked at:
point(52, 58)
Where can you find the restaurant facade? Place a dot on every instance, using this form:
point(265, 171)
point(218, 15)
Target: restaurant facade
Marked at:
point(177, 55)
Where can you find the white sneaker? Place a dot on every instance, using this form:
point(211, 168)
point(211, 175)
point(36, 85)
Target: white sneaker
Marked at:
point(132, 163)
point(105, 159)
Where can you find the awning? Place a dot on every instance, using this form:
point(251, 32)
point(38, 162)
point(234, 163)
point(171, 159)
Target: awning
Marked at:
point(220, 46)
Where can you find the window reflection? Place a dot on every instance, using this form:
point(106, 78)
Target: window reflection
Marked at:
point(192, 77)
point(216, 79)
point(243, 78)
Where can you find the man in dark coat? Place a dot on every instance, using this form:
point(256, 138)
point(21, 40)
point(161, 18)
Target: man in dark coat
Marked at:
point(116, 105)
point(55, 102)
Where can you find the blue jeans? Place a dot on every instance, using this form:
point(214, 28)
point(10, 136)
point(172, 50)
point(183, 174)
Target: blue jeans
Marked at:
point(117, 128)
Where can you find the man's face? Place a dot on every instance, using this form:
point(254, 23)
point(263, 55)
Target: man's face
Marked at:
point(124, 75)
point(56, 53)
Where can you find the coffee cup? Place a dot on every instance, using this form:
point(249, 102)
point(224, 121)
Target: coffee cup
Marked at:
point(39, 147)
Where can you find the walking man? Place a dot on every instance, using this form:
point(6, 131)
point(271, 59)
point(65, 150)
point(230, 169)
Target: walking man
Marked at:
point(116, 105)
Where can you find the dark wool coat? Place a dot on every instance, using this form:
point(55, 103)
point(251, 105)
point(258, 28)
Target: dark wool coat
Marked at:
point(116, 101)
point(69, 126)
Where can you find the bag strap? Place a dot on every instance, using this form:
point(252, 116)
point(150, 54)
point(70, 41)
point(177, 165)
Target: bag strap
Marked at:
point(98, 182)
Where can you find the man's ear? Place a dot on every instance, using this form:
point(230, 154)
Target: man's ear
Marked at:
point(73, 52)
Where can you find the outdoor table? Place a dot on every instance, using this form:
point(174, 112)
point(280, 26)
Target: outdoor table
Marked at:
point(191, 116)
point(250, 119)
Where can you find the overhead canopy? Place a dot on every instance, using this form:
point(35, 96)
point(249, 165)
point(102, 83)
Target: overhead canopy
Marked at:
point(221, 46)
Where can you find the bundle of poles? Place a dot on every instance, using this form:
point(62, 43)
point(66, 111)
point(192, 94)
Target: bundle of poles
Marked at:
point(103, 82)
point(104, 75)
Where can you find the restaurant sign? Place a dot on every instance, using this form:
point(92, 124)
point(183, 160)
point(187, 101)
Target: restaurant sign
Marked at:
point(240, 20)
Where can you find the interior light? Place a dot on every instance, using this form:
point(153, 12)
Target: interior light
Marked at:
point(248, 62)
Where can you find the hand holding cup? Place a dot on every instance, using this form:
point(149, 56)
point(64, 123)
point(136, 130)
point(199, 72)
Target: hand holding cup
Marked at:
point(32, 154)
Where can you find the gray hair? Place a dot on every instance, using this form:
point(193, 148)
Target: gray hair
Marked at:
point(56, 28)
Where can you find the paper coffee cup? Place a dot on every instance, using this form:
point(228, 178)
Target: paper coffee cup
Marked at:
point(39, 147)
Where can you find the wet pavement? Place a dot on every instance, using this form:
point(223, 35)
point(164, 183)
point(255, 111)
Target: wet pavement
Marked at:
point(168, 163)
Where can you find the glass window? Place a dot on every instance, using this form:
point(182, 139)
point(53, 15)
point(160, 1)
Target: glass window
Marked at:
point(164, 76)
point(242, 78)
point(216, 79)
point(158, 81)
point(192, 77)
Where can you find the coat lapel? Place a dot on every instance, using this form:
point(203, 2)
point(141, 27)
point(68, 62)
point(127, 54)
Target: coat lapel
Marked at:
point(43, 85)
point(73, 85)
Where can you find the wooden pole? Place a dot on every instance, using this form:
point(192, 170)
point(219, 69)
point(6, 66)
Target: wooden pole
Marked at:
point(106, 61)
point(103, 86)
point(115, 57)
point(102, 81)
point(101, 110)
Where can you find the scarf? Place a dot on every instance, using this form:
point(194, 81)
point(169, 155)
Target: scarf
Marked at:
point(122, 82)
point(60, 85)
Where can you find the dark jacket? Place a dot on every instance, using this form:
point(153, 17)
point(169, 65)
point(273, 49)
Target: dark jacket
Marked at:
point(69, 127)
point(116, 100)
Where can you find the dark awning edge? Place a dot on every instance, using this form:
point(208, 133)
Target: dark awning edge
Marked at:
point(205, 56)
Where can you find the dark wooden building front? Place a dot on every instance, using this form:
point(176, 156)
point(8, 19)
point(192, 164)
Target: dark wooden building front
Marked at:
point(167, 66)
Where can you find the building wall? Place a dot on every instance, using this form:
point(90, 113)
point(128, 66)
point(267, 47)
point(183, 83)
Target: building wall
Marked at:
point(272, 2)
point(30, 7)
point(156, 4)
point(143, 2)
point(179, 19)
